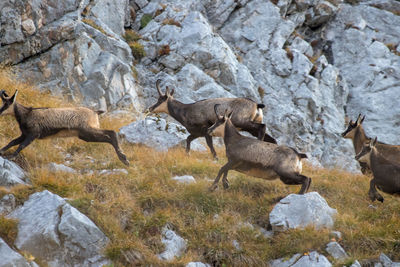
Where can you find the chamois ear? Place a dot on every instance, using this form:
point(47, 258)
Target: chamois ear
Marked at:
point(172, 92)
point(216, 111)
point(167, 91)
point(358, 119)
point(230, 115)
point(373, 143)
point(12, 99)
point(2, 92)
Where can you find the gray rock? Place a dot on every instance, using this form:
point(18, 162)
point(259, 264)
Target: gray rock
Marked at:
point(56, 233)
point(336, 235)
point(385, 260)
point(197, 264)
point(11, 258)
point(54, 167)
point(302, 46)
point(336, 251)
point(113, 172)
point(28, 26)
point(313, 259)
point(7, 204)
point(355, 264)
point(185, 179)
point(112, 13)
point(174, 245)
point(158, 133)
point(299, 211)
point(11, 174)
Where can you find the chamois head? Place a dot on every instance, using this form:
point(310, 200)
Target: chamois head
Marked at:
point(161, 105)
point(349, 133)
point(218, 128)
point(366, 150)
point(8, 103)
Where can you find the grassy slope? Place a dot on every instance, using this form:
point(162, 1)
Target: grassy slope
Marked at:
point(131, 209)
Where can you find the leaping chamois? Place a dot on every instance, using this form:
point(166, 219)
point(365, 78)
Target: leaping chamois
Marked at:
point(40, 123)
point(199, 116)
point(257, 158)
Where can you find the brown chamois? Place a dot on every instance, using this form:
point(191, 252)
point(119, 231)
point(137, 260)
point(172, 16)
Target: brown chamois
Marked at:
point(356, 133)
point(197, 117)
point(257, 158)
point(386, 172)
point(40, 123)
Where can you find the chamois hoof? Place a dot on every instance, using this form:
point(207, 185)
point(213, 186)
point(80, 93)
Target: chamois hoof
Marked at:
point(213, 187)
point(123, 159)
point(380, 198)
point(226, 184)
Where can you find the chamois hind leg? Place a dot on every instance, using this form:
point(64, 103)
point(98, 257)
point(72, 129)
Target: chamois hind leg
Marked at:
point(24, 143)
point(14, 142)
point(103, 136)
point(295, 179)
point(224, 170)
point(373, 193)
point(210, 145)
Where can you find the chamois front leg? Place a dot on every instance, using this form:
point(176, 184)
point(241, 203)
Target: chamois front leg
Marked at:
point(189, 139)
point(14, 142)
point(211, 146)
point(26, 142)
point(224, 170)
point(103, 136)
point(373, 193)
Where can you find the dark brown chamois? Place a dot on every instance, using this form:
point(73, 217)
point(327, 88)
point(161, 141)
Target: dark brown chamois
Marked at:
point(197, 117)
point(386, 172)
point(356, 133)
point(257, 158)
point(40, 123)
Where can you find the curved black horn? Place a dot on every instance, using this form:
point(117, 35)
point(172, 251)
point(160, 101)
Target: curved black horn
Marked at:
point(3, 94)
point(158, 87)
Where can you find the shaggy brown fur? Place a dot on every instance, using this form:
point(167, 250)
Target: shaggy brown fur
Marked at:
point(386, 172)
point(198, 116)
point(257, 158)
point(39, 123)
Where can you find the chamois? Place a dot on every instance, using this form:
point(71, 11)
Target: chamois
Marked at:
point(386, 172)
point(257, 158)
point(356, 133)
point(198, 116)
point(40, 123)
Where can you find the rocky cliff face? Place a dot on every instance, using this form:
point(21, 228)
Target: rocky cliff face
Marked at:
point(311, 62)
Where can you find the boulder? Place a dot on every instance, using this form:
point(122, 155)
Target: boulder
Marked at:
point(11, 258)
point(185, 179)
point(299, 211)
point(174, 245)
point(11, 174)
point(336, 251)
point(312, 259)
point(56, 233)
point(197, 264)
point(158, 134)
point(54, 167)
point(7, 204)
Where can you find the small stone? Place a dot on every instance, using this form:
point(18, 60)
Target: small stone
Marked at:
point(28, 26)
point(185, 179)
point(54, 167)
point(336, 251)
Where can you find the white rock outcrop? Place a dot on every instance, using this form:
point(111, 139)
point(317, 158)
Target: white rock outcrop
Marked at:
point(11, 174)
point(158, 134)
point(174, 245)
point(11, 258)
point(336, 251)
point(184, 179)
point(312, 259)
point(58, 234)
point(299, 211)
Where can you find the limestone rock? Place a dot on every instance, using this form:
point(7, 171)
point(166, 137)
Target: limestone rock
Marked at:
point(185, 179)
point(10, 258)
point(174, 245)
point(54, 167)
point(313, 259)
point(336, 251)
point(157, 133)
point(299, 211)
point(197, 264)
point(7, 204)
point(11, 174)
point(56, 233)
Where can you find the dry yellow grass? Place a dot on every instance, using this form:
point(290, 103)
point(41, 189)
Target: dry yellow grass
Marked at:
point(132, 208)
